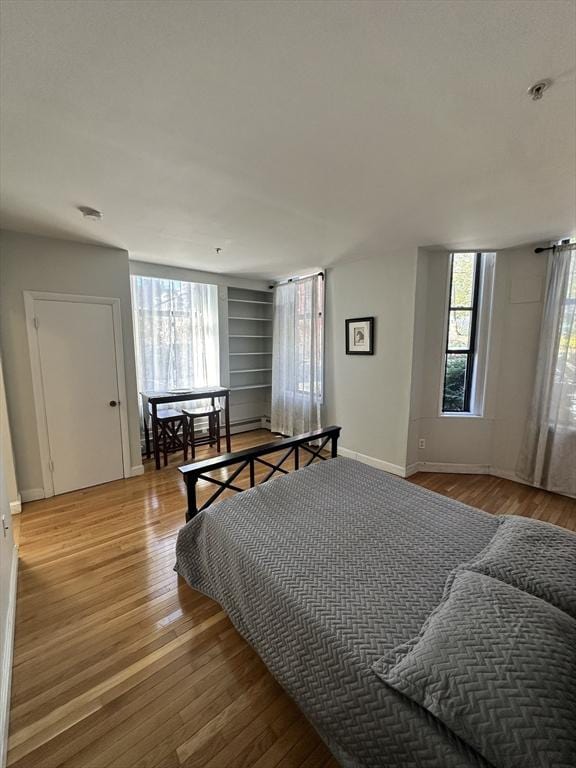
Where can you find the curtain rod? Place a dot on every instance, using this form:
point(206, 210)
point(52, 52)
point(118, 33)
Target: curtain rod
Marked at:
point(301, 277)
point(567, 245)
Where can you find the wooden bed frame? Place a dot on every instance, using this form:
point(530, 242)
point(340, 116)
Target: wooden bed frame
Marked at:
point(249, 457)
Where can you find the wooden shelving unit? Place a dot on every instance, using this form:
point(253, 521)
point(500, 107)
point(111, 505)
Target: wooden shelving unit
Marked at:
point(250, 355)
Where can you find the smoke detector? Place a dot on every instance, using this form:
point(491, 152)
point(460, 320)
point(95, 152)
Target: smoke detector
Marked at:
point(90, 213)
point(536, 91)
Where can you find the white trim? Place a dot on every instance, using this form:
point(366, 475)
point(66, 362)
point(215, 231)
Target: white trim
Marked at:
point(32, 494)
point(484, 332)
point(121, 377)
point(447, 297)
point(39, 404)
point(137, 470)
point(38, 391)
point(394, 469)
point(6, 660)
point(436, 468)
point(459, 415)
point(456, 469)
point(16, 507)
point(467, 469)
point(509, 474)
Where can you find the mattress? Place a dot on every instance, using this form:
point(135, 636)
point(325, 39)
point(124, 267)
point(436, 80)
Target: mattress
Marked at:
point(326, 570)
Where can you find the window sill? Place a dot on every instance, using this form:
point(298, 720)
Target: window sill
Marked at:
point(461, 416)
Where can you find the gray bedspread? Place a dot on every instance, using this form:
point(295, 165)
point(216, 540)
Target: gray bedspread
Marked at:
point(323, 572)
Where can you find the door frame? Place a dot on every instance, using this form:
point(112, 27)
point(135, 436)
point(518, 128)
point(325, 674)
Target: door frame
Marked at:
point(30, 297)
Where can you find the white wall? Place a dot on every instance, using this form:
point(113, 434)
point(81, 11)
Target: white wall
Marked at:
point(418, 355)
point(490, 442)
point(44, 264)
point(369, 396)
point(384, 403)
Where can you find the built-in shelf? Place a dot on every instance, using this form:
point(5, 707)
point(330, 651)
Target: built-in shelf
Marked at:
point(251, 301)
point(250, 324)
point(251, 370)
point(252, 386)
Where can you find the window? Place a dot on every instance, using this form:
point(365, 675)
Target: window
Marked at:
point(297, 363)
point(461, 335)
point(175, 333)
point(309, 336)
point(563, 392)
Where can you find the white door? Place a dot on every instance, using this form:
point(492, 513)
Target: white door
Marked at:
point(80, 391)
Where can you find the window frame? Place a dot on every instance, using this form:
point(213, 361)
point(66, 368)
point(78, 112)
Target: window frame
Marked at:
point(471, 351)
point(319, 341)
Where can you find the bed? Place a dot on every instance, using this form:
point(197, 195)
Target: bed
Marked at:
point(326, 572)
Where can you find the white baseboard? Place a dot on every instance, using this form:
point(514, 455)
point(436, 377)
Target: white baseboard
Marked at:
point(468, 469)
point(508, 474)
point(16, 508)
point(455, 469)
point(137, 470)
point(6, 660)
point(394, 469)
point(430, 466)
point(32, 494)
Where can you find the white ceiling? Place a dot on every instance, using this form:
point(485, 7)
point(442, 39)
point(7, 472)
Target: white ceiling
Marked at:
point(290, 134)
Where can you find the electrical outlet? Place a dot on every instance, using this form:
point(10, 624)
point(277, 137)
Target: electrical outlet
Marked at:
point(421, 443)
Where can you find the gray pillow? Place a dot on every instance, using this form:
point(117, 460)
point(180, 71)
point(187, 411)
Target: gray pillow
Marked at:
point(498, 667)
point(537, 557)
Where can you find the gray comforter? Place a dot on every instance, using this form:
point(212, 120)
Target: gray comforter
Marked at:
point(326, 570)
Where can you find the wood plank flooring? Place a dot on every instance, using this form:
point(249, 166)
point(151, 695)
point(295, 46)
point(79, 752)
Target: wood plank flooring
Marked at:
point(119, 663)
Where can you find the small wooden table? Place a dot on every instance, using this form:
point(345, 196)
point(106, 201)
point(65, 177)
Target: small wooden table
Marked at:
point(151, 401)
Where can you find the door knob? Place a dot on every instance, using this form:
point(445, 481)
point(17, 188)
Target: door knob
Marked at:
point(113, 403)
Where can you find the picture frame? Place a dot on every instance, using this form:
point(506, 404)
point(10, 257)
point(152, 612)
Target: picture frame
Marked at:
point(360, 336)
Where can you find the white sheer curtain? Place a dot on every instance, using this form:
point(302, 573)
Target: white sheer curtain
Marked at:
point(298, 353)
point(548, 456)
point(175, 334)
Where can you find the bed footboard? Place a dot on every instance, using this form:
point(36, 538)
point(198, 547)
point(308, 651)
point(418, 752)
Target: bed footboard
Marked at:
point(298, 446)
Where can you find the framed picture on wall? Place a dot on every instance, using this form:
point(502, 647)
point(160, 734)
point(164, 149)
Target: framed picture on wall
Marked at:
point(360, 336)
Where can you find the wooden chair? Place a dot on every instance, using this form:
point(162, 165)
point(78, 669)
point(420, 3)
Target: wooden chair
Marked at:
point(212, 413)
point(171, 428)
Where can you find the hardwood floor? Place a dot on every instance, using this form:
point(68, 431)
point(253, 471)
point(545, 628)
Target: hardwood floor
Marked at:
point(119, 663)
